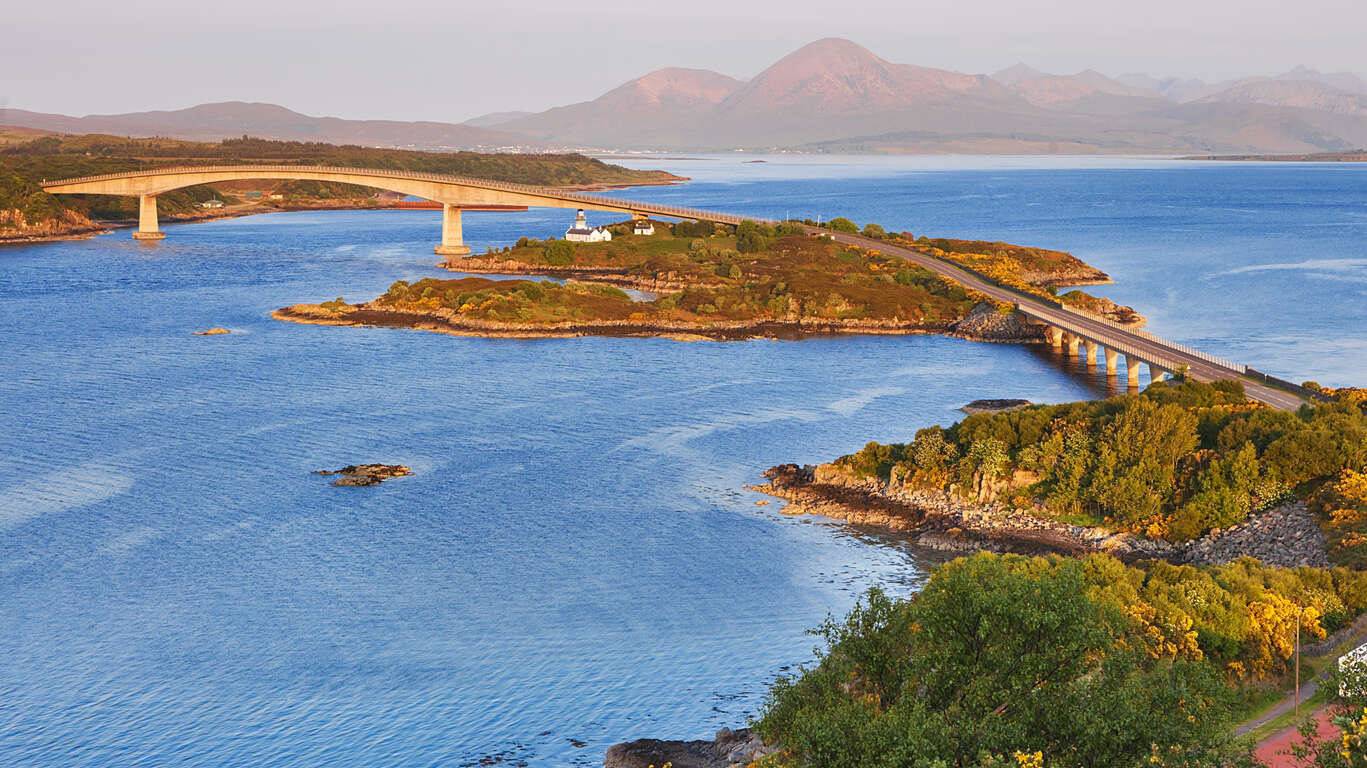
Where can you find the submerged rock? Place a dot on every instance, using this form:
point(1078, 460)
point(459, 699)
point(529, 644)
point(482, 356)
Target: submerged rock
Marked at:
point(366, 474)
point(995, 405)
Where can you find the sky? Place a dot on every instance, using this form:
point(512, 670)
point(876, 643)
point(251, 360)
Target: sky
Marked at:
point(450, 61)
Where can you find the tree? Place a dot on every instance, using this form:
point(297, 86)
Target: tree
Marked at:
point(558, 253)
point(875, 231)
point(751, 237)
point(995, 655)
point(842, 224)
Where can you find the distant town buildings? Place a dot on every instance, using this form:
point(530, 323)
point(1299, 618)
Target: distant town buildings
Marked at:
point(582, 233)
point(215, 203)
point(643, 227)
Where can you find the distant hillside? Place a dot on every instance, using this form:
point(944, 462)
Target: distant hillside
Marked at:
point(834, 96)
point(652, 110)
point(235, 118)
point(496, 118)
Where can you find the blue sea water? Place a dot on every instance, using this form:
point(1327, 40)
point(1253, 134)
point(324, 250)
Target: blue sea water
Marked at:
point(574, 562)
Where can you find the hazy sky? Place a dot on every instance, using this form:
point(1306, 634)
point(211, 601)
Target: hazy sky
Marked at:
point(449, 61)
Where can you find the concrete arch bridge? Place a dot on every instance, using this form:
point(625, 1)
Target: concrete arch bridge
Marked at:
point(454, 193)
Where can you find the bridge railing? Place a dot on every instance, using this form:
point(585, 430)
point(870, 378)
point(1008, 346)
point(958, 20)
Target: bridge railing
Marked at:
point(1296, 389)
point(1055, 303)
point(671, 211)
point(1184, 349)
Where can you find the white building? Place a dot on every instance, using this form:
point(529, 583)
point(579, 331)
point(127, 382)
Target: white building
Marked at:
point(582, 233)
point(643, 227)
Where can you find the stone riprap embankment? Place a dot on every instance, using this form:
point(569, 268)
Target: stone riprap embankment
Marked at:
point(1286, 535)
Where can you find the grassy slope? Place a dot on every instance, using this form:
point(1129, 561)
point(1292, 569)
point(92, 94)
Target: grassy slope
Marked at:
point(796, 278)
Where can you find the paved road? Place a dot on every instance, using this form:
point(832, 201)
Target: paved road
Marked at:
point(1105, 334)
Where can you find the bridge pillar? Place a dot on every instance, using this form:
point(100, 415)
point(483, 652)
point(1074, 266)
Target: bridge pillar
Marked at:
point(1111, 357)
point(147, 219)
point(451, 235)
point(1054, 336)
point(1156, 373)
point(1091, 353)
point(1131, 371)
point(1071, 342)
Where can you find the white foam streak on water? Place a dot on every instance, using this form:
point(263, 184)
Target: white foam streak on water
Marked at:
point(61, 491)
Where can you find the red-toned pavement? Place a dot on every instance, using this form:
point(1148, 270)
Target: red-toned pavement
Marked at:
point(1275, 751)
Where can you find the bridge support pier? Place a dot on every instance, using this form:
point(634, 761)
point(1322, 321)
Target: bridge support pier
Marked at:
point(1071, 342)
point(147, 219)
point(1156, 373)
point(1054, 336)
point(1111, 357)
point(1092, 347)
point(452, 244)
point(1131, 371)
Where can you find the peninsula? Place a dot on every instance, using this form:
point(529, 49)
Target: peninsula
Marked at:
point(1184, 471)
point(704, 280)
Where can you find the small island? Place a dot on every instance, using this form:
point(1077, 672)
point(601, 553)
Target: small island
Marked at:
point(706, 281)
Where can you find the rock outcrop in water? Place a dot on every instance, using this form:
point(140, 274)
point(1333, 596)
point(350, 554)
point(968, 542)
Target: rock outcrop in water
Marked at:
point(995, 405)
point(987, 322)
point(729, 749)
point(366, 474)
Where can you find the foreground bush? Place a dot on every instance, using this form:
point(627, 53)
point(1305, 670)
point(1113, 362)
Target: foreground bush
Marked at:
point(1066, 662)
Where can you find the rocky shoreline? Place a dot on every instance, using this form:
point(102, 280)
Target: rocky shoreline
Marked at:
point(983, 323)
point(1286, 536)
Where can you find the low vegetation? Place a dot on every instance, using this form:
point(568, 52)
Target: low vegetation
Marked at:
point(1017, 661)
point(705, 274)
point(1171, 462)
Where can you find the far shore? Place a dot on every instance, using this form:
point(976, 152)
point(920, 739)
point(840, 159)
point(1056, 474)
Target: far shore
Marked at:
point(106, 226)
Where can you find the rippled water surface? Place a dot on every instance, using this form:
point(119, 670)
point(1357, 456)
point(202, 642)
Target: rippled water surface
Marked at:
point(574, 562)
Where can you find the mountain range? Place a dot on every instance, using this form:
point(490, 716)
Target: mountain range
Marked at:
point(835, 96)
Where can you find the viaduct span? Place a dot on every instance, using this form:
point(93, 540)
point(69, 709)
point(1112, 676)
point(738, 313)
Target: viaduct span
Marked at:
point(1064, 328)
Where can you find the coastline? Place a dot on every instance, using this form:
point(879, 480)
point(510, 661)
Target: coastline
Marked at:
point(1286, 535)
point(446, 322)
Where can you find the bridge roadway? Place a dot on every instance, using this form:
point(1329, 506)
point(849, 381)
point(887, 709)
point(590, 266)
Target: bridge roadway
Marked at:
point(457, 192)
point(1140, 346)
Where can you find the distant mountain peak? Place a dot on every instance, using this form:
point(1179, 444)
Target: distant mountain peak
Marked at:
point(1016, 73)
point(680, 85)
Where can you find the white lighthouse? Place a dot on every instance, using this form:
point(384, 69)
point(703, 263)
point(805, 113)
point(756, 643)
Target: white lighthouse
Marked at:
point(582, 233)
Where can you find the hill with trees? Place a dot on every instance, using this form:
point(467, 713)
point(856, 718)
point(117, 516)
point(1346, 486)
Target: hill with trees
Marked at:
point(27, 211)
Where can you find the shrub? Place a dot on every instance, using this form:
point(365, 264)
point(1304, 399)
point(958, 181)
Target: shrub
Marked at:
point(558, 253)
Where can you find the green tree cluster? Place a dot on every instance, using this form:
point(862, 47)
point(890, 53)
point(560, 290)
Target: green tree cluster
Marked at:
point(1172, 461)
point(1080, 662)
